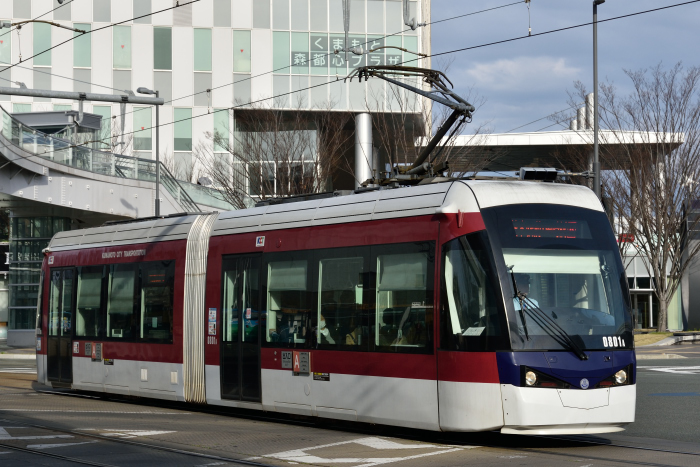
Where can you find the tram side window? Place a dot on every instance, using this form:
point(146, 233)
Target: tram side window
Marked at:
point(288, 305)
point(156, 301)
point(404, 298)
point(470, 314)
point(340, 302)
point(89, 321)
point(120, 300)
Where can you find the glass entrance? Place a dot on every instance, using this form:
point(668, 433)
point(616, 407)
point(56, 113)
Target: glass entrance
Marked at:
point(59, 350)
point(240, 342)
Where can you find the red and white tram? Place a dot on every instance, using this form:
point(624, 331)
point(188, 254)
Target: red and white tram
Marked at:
point(459, 306)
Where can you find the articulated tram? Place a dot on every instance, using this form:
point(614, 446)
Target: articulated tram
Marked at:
point(456, 306)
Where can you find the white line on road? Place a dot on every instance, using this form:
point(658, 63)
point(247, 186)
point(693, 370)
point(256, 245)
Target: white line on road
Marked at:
point(51, 446)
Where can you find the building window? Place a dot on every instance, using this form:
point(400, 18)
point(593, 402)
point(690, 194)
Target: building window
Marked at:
point(142, 129)
point(261, 14)
point(300, 53)
point(142, 8)
point(21, 108)
point(300, 15)
point(222, 13)
point(162, 48)
point(102, 11)
point(22, 9)
point(280, 52)
point(6, 49)
point(122, 47)
point(319, 15)
point(42, 42)
point(82, 46)
point(183, 129)
point(221, 130)
point(241, 51)
point(202, 50)
point(105, 111)
point(319, 58)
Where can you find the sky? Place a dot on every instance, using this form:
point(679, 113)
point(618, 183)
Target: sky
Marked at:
point(528, 79)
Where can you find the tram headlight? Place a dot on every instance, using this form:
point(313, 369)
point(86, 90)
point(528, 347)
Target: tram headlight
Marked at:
point(621, 377)
point(530, 378)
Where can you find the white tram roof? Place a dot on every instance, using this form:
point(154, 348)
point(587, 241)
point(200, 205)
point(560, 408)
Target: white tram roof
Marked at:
point(438, 198)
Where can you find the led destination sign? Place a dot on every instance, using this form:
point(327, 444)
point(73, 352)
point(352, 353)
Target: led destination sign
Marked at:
point(551, 228)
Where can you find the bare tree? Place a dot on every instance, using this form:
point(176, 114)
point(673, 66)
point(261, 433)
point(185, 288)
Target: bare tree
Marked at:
point(652, 138)
point(275, 152)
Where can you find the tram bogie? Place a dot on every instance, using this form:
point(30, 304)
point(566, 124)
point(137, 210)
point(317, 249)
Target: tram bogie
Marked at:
point(460, 306)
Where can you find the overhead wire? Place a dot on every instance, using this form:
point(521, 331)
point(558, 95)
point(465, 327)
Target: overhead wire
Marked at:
point(248, 78)
point(42, 15)
point(111, 25)
point(429, 56)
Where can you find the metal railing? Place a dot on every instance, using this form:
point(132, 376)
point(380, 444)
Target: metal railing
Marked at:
point(105, 163)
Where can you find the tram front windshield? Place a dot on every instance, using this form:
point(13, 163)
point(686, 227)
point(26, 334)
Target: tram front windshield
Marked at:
point(561, 276)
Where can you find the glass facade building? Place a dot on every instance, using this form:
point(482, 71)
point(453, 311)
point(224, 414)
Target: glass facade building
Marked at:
point(203, 58)
point(207, 56)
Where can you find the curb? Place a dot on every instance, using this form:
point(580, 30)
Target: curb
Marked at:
point(17, 356)
point(673, 340)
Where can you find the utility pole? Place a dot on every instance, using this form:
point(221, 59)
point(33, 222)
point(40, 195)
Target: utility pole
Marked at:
point(596, 160)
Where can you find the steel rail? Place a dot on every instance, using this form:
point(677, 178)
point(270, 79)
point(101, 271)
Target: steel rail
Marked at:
point(133, 443)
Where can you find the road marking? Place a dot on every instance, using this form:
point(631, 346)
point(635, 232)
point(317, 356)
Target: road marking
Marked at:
point(20, 371)
point(302, 456)
point(51, 446)
point(678, 370)
point(5, 435)
point(121, 433)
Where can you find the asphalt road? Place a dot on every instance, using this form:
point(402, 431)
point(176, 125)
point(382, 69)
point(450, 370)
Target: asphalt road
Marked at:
point(77, 428)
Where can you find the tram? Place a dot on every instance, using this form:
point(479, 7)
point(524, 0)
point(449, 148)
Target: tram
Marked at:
point(456, 306)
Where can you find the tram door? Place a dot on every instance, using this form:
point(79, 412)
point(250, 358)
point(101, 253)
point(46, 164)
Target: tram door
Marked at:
point(240, 329)
point(59, 351)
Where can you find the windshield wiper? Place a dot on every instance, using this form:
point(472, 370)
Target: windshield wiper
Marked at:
point(545, 322)
point(550, 326)
point(520, 296)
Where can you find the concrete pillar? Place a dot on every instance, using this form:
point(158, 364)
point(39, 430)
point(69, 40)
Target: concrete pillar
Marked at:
point(581, 118)
point(364, 150)
point(573, 125)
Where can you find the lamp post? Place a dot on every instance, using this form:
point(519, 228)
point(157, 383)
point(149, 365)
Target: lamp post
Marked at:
point(143, 90)
point(596, 161)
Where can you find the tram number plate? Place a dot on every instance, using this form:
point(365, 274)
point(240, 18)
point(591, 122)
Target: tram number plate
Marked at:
point(96, 352)
point(287, 359)
point(613, 341)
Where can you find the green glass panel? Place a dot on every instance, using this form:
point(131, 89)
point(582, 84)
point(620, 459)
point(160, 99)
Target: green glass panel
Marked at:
point(22, 319)
point(393, 56)
point(221, 130)
point(319, 58)
point(21, 108)
point(202, 50)
point(104, 111)
point(280, 52)
point(183, 129)
point(142, 129)
point(300, 53)
point(337, 61)
point(42, 42)
point(410, 43)
point(6, 49)
point(121, 41)
point(241, 51)
point(163, 48)
point(82, 46)
point(61, 107)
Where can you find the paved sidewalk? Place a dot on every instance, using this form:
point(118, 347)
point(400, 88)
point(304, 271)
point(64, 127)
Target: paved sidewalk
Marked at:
point(16, 352)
